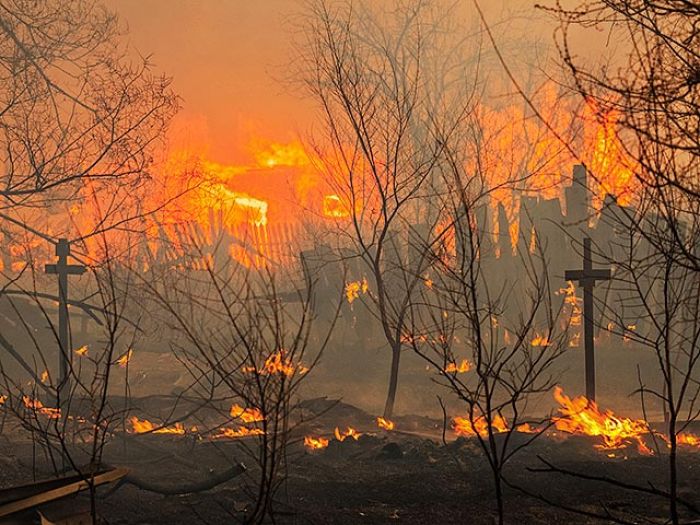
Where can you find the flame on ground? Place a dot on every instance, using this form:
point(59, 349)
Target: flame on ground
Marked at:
point(313, 443)
point(582, 416)
point(247, 415)
point(82, 351)
point(462, 426)
point(279, 363)
point(349, 432)
point(234, 433)
point(455, 368)
point(385, 424)
point(39, 408)
point(143, 426)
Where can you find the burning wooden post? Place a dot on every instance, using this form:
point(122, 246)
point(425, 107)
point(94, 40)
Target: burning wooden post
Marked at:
point(586, 279)
point(63, 270)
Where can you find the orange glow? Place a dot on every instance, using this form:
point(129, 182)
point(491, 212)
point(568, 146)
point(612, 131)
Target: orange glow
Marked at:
point(231, 433)
point(45, 376)
point(247, 415)
point(313, 443)
point(385, 424)
point(82, 351)
point(39, 408)
point(333, 207)
point(455, 368)
point(462, 426)
point(123, 361)
point(355, 288)
point(143, 426)
point(686, 438)
point(350, 432)
point(526, 428)
point(582, 416)
point(540, 341)
point(278, 363)
point(575, 314)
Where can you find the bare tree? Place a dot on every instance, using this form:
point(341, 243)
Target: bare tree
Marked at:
point(244, 335)
point(493, 339)
point(382, 77)
point(76, 108)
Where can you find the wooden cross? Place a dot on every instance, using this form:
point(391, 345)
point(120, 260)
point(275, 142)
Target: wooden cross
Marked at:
point(63, 270)
point(586, 279)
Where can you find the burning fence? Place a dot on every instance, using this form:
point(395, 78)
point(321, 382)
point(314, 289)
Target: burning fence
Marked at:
point(263, 210)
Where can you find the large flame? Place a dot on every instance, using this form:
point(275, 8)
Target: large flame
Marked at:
point(582, 416)
point(262, 210)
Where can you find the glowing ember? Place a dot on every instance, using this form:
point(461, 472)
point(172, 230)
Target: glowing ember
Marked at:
point(313, 443)
point(247, 415)
point(385, 423)
point(125, 358)
point(82, 351)
point(582, 416)
point(462, 426)
point(350, 432)
point(239, 432)
point(3, 399)
point(455, 368)
point(38, 407)
point(143, 426)
point(355, 288)
point(45, 376)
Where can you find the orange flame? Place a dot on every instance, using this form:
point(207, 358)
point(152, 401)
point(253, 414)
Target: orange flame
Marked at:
point(143, 426)
point(125, 358)
point(333, 207)
point(350, 432)
point(313, 443)
point(540, 341)
point(247, 415)
point(455, 368)
point(38, 407)
point(82, 351)
point(355, 288)
point(582, 416)
point(385, 423)
point(230, 433)
point(462, 426)
point(278, 363)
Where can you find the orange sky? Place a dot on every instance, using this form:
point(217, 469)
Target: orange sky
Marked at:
point(230, 59)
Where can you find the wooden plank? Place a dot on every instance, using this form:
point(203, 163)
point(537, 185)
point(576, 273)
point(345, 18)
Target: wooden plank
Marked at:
point(60, 492)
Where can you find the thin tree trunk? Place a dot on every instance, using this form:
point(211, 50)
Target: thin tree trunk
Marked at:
point(393, 381)
point(673, 469)
point(499, 495)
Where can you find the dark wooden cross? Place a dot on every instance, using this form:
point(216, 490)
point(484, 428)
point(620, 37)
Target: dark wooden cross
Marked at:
point(63, 270)
point(586, 279)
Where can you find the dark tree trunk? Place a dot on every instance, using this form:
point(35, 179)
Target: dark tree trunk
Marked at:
point(393, 381)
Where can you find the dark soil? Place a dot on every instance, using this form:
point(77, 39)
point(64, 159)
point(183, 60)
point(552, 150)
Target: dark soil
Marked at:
point(384, 477)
